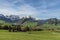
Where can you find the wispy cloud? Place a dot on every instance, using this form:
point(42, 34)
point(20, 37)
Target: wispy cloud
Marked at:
point(36, 8)
point(13, 9)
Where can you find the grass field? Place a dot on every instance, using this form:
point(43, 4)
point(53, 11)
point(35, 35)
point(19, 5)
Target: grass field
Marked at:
point(41, 35)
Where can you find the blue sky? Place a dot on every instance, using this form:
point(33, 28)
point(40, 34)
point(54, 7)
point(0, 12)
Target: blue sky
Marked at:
point(40, 9)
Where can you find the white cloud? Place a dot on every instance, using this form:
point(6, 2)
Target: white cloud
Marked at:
point(9, 8)
point(27, 9)
point(23, 10)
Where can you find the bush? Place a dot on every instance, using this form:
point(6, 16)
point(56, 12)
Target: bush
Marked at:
point(37, 29)
point(18, 28)
point(0, 27)
point(5, 27)
point(10, 28)
point(23, 29)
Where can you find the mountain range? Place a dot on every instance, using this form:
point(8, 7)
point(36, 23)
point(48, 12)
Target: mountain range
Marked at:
point(17, 19)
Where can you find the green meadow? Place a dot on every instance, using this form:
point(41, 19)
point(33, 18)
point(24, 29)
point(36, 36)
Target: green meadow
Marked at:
point(35, 35)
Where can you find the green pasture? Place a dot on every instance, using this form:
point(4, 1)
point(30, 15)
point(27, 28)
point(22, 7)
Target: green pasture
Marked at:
point(34, 35)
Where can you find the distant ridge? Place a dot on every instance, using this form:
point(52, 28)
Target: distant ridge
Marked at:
point(17, 19)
